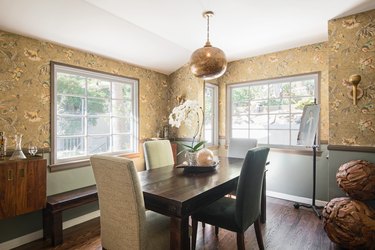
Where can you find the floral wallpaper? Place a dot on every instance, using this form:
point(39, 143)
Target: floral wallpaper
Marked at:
point(25, 87)
point(352, 51)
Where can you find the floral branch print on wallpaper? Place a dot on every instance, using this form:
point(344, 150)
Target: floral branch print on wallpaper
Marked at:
point(352, 51)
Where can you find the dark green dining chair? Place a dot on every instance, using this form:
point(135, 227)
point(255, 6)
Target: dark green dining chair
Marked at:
point(238, 214)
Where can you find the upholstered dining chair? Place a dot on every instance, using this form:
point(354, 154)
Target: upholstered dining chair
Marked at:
point(238, 214)
point(124, 222)
point(158, 154)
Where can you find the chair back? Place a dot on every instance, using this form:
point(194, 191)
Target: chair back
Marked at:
point(249, 188)
point(238, 147)
point(158, 154)
point(122, 209)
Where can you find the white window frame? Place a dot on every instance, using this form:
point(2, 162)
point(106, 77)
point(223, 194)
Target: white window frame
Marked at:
point(103, 76)
point(215, 111)
point(315, 76)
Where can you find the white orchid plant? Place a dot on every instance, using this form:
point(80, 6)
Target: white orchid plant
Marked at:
point(188, 113)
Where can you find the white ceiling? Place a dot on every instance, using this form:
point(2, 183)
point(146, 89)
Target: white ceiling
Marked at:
point(161, 34)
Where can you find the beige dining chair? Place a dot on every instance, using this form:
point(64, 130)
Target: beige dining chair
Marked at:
point(124, 222)
point(158, 154)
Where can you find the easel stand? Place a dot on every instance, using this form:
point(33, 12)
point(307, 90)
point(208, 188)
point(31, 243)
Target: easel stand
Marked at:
point(313, 206)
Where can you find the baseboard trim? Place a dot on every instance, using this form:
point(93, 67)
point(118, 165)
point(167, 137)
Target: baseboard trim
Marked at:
point(39, 234)
point(295, 198)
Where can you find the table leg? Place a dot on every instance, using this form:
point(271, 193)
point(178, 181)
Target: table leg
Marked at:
point(179, 233)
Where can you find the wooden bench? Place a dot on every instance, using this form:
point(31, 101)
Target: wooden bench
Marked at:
point(57, 203)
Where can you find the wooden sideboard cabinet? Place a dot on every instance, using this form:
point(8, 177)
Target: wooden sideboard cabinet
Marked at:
point(22, 186)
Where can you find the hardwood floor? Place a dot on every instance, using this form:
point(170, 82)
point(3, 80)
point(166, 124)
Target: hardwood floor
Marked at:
point(286, 229)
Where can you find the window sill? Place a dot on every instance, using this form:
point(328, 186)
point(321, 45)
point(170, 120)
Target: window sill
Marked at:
point(84, 163)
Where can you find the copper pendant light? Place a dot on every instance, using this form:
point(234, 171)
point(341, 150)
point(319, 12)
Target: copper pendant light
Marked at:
point(208, 62)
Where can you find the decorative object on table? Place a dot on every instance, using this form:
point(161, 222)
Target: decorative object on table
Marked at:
point(32, 149)
point(18, 154)
point(195, 169)
point(350, 223)
point(208, 62)
point(205, 157)
point(357, 179)
point(189, 113)
point(3, 145)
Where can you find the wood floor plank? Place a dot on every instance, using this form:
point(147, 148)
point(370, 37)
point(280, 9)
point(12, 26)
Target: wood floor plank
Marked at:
point(286, 228)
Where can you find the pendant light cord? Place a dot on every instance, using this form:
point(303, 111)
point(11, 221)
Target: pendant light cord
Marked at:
point(208, 28)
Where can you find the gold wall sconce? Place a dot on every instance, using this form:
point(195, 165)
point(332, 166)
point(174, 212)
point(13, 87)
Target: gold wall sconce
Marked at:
point(356, 92)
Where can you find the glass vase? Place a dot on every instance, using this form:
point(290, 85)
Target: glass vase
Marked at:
point(191, 158)
point(18, 154)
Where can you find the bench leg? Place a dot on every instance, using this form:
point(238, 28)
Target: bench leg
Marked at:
point(47, 220)
point(56, 229)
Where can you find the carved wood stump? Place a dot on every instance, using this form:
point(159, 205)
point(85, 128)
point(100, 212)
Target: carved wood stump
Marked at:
point(357, 179)
point(350, 223)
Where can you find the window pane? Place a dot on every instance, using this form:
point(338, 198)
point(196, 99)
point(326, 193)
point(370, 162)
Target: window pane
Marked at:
point(68, 147)
point(121, 107)
point(240, 94)
point(259, 107)
point(303, 88)
point(208, 135)
point(240, 121)
point(121, 142)
point(98, 144)
point(259, 121)
point(240, 133)
point(70, 126)
point(280, 90)
point(294, 137)
point(279, 121)
point(297, 103)
point(295, 120)
point(121, 90)
point(260, 134)
point(70, 84)
point(121, 125)
point(258, 92)
point(279, 106)
point(97, 106)
point(98, 88)
point(98, 125)
point(70, 105)
point(240, 108)
point(279, 137)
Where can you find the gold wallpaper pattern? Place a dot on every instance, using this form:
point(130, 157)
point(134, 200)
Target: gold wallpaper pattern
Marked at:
point(352, 51)
point(25, 87)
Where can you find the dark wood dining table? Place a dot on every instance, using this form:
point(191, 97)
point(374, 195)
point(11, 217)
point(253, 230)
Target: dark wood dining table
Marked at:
point(172, 192)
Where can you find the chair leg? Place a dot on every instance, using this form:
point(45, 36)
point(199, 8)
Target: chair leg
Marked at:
point(240, 241)
point(194, 233)
point(258, 234)
point(216, 230)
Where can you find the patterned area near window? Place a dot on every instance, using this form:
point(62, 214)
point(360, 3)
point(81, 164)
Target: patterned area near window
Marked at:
point(270, 110)
point(93, 113)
